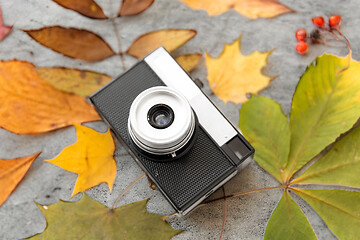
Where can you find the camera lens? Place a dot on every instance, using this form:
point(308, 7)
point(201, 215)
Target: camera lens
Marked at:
point(160, 116)
point(153, 127)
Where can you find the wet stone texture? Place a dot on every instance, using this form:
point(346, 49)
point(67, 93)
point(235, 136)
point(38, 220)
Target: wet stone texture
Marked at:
point(247, 215)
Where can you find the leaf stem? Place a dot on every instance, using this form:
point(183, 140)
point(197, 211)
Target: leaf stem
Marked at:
point(240, 194)
point(224, 217)
point(121, 54)
point(126, 190)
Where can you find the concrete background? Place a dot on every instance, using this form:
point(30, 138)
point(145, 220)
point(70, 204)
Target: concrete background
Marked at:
point(246, 216)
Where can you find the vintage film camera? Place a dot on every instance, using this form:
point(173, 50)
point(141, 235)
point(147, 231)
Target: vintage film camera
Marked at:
point(175, 133)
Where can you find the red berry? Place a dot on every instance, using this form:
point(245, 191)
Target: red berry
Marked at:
point(302, 47)
point(334, 21)
point(318, 21)
point(301, 35)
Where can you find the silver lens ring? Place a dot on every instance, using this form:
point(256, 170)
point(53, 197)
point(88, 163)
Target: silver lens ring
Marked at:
point(161, 141)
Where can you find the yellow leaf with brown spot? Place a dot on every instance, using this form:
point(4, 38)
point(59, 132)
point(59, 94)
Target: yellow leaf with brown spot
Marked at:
point(232, 75)
point(81, 82)
point(30, 105)
point(91, 157)
point(170, 39)
point(189, 62)
point(249, 8)
point(11, 173)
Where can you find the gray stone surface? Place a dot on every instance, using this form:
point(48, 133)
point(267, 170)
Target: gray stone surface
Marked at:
point(247, 215)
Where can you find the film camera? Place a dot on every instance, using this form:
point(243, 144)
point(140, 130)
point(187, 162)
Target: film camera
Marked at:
point(175, 133)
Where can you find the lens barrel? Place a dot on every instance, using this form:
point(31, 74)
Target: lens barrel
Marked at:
point(161, 123)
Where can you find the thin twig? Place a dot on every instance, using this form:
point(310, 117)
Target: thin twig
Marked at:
point(239, 194)
point(349, 48)
point(224, 217)
point(126, 190)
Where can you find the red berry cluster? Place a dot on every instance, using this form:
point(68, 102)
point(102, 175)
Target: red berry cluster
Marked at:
point(316, 36)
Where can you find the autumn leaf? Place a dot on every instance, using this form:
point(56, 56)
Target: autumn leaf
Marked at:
point(189, 62)
point(170, 39)
point(11, 173)
point(134, 7)
point(249, 8)
point(325, 105)
point(232, 75)
point(81, 82)
point(91, 157)
point(73, 42)
point(4, 30)
point(88, 8)
point(89, 219)
point(30, 105)
point(291, 221)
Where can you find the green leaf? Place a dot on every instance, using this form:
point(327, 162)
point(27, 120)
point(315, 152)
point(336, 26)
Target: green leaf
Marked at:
point(326, 103)
point(81, 82)
point(89, 219)
point(288, 222)
point(340, 166)
point(271, 150)
point(339, 209)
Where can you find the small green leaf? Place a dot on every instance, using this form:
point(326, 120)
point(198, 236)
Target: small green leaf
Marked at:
point(288, 222)
point(339, 209)
point(340, 166)
point(326, 103)
point(89, 219)
point(266, 127)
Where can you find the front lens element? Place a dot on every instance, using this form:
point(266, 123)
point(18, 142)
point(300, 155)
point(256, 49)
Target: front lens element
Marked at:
point(160, 116)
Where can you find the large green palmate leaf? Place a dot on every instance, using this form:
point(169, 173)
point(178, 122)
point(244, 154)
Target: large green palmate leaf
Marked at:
point(89, 219)
point(288, 220)
point(340, 210)
point(340, 166)
point(271, 150)
point(326, 103)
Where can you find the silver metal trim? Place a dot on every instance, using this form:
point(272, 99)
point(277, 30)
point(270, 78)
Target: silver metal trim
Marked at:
point(174, 76)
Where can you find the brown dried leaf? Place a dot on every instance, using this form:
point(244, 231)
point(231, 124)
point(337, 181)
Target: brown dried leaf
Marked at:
point(88, 8)
point(133, 7)
point(170, 39)
point(72, 42)
point(30, 105)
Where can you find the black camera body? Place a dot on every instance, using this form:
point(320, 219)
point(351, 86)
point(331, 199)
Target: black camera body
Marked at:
point(175, 133)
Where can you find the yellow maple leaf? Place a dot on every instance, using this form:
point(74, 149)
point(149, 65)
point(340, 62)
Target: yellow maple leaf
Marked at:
point(249, 8)
point(232, 75)
point(91, 157)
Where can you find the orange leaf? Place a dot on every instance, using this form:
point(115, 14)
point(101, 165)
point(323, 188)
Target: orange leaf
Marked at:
point(133, 7)
point(72, 42)
point(88, 8)
point(30, 105)
point(91, 157)
point(188, 62)
point(249, 8)
point(232, 75)
point(11, 173)
point(170, 39)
